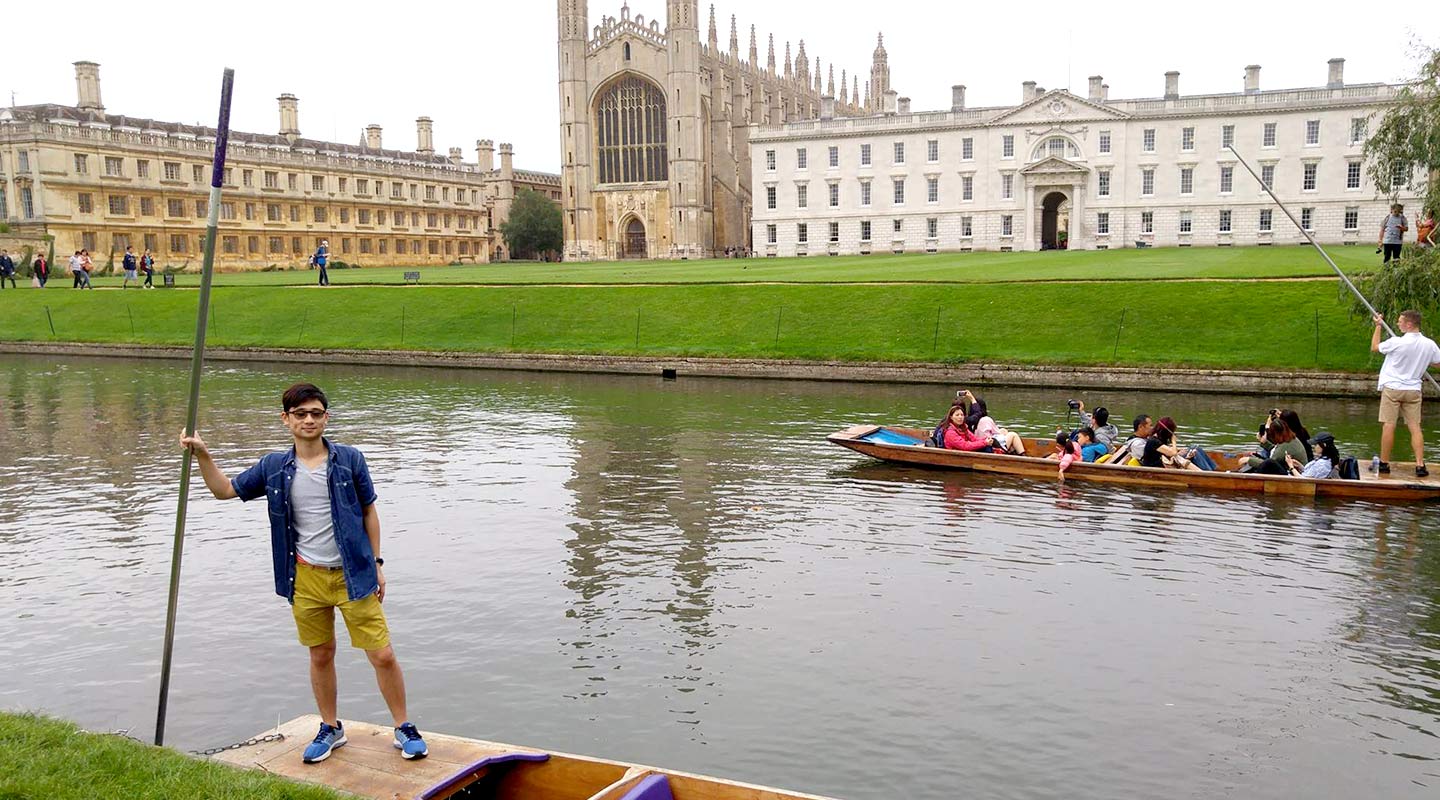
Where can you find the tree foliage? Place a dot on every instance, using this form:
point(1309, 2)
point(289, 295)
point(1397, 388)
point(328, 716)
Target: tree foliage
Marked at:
point(1408, 136)
point(534, 227)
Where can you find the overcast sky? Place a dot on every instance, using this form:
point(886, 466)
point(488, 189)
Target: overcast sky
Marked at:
point(488, 69)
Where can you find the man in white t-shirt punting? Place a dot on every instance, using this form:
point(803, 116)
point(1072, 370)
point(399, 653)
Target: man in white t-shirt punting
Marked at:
point(1407, 357)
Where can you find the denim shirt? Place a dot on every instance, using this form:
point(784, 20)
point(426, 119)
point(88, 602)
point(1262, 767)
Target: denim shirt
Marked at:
point(351, 491)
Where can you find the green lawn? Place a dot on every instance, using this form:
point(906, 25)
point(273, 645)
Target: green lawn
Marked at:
point(1128, 264)
point(51, 760)
point(1203, 323)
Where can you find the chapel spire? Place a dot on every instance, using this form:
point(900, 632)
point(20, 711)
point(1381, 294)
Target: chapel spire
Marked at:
point(734, 38)
point(770, 59)
point(714, 39)
point(754, 51)
point(789, 71)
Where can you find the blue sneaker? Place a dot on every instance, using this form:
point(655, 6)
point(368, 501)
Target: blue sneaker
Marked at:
point(409, 743)
point(329, 738)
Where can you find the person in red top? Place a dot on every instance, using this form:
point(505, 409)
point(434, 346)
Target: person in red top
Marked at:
point(956, 435)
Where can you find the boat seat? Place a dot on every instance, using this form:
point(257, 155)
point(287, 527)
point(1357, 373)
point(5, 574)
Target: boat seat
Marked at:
point(653, 787)
point(883, 436)
point(475, 771)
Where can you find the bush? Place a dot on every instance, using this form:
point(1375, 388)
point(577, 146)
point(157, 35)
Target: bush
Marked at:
point(341, 265)
point(26, 267)
point(1413, 282)
point(270, 268)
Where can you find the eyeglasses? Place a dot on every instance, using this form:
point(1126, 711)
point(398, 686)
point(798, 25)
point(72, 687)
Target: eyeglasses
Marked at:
point(313, 413)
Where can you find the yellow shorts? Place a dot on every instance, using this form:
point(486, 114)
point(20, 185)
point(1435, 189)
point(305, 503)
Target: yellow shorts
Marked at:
point(318, 592)
point(1396, 405)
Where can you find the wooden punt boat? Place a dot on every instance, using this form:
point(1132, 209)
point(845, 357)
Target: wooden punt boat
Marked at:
point(906, 446)
point(470, 769)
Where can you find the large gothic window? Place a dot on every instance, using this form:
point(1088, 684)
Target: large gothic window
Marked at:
point(630, 131)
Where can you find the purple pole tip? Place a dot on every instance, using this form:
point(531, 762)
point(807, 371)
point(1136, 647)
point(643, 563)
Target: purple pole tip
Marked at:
point(222, 129)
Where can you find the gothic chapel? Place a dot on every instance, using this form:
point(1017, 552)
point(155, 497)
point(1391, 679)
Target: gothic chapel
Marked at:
point(654, 129)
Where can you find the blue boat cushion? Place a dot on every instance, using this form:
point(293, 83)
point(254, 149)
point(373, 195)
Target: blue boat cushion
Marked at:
point(884, 436)
point(465, 776)
point(654, 787)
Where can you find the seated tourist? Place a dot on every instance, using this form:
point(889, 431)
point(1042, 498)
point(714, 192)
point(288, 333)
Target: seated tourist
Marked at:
point(1160, 450)
point(1067, 451)
point(978, 418)
point(955, 434)
point(1292, 420)
point(1132, 450)
point(1090, 447)
point(1099, 424)
point(1325, 465)
point(1194, 455)
point(1282, 443)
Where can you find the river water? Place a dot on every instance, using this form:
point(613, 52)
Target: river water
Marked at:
point(685, 574)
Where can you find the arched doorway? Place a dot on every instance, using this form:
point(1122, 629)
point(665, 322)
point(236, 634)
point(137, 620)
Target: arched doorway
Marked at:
point(634, 239)
point(1054, 221)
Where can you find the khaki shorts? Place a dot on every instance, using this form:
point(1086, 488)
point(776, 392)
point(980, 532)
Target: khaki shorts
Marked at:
point(1396, 404)
point(318, 592)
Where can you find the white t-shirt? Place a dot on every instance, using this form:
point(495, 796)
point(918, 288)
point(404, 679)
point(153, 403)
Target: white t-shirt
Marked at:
point(310, 510)
point(1406, 359)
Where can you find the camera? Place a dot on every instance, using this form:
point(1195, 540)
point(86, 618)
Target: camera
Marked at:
point(1073, 404)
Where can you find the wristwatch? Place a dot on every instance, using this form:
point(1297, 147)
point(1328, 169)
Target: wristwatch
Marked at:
point(379, 562)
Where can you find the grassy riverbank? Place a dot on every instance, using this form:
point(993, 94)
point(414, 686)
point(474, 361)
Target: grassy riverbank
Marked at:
point(53, 760)
point(1284, 325)
point(1128, 264)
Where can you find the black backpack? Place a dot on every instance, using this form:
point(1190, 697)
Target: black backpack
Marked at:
point(1349, 469)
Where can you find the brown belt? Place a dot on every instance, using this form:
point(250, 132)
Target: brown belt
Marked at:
point(299, 560)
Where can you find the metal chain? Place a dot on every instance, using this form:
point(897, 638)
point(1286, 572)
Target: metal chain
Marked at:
point(272, 737)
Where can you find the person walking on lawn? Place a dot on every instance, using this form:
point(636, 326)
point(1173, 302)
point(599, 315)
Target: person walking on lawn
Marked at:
point(1407, 357)
point(7, 270)
point(41, 268)
point(325, 546)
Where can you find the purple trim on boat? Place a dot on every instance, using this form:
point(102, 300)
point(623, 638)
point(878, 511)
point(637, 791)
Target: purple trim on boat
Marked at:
point(654, 787)
point(459, 779)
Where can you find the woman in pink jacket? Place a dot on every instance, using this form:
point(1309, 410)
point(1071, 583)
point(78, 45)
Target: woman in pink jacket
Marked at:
point(956, 435)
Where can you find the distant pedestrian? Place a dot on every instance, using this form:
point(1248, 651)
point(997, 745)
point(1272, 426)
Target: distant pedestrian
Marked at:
point(322, 258)
point(77, 268)
point(1407, 358)
point(42, 271)
point(1425, 229)
point(147, 264)
point(130, 265)
point(7, 269)
point(1392, 232)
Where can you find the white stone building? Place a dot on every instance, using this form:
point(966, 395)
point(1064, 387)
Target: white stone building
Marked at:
point(1085, 172)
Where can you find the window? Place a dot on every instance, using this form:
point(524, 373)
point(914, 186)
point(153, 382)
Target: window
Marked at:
point(770, 197)
point(247, 177)
point(899, 152)
point(631, 134)
point(365, 246)
point(292, 181)
point(249, 211)
point(864, 155)
point(175, 208)
point(362, 217)
point(380, 217)
point(227, 210)
point(1399, 176)
point(319, 212)
point(82, 165)
point(294, 213)
point(178, 242)
point(967, 187)
point(802, 233)
point(432, 220)
point(87, 240)
point(397, 192)
point(152, 242)
point(1187, 180)
point(899, 191)
point(27, 202)
point(23, 164)
point(1265, 220)
point(1102, 223)
point(770, 160)
point(865, 230)
point(1147, 140)
point(1352, 219)
point(1007, 146)
point(229, 176)
point(1224, 220)
point(1007, 186)
point(802, 196)
point(865, 194)
point(1227, 136)
point(967, 226)
point(1147, 181)
point(344, 180)
point(834, 232)
point(1185, 221)
point(252, 244)
point(967, 148)
point(272, 212)
point(1227, 179)
point(362, 186)
point(1352, 175)
point(834, 195)
point(1307, 215)
point(802, 159)
point(147, 207)
point(1187, 139)
point(4, 206)
point(430, 192)
point(932, 151)
point(932, 190)
point(932, 228)
point(1104, 141)
point(770, 234)
point(202, 208)
point(1267, 139)
point(119, 204)
point(272, 180)
point(172, 171)
point(1312, 132)
point(114, 167)
point(898, 226)
point(86, 204)
point(1357, 130)
point(834, 156)
point(230, 244)
point(1103, 183)
point(1267, 175)
point(1147, 221)
point(1055, 146)
point(142, 169)
point(198, 173)
point(317, 183)
point(1308, 181)
point(1007, 225)
point(277, 244)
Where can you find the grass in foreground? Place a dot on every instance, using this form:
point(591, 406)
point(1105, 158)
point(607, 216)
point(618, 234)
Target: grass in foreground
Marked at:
point(53, 760)
point(1281, 326)
point(1125, 264)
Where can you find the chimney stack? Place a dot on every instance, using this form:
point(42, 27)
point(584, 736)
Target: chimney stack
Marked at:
point(902, 105)
point(892, 101)
point(1027, 91)
point(425, 135)
point(1337, 74)
point(957, 97)
point(1097, 88)
point(485, 154)
point(1252, 79)
point(87, 86)
point(827, 107)
point(507, 161)
point(1172, 85)
point(289, 115)
point(455, 157)
point(372, 136)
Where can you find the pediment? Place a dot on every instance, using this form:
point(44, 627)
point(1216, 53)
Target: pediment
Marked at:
point(1054, 165)
point(1057, 105)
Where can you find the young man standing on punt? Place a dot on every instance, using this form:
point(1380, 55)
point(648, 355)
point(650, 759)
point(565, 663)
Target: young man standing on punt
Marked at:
point(1407, 357)
point(325, 544)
